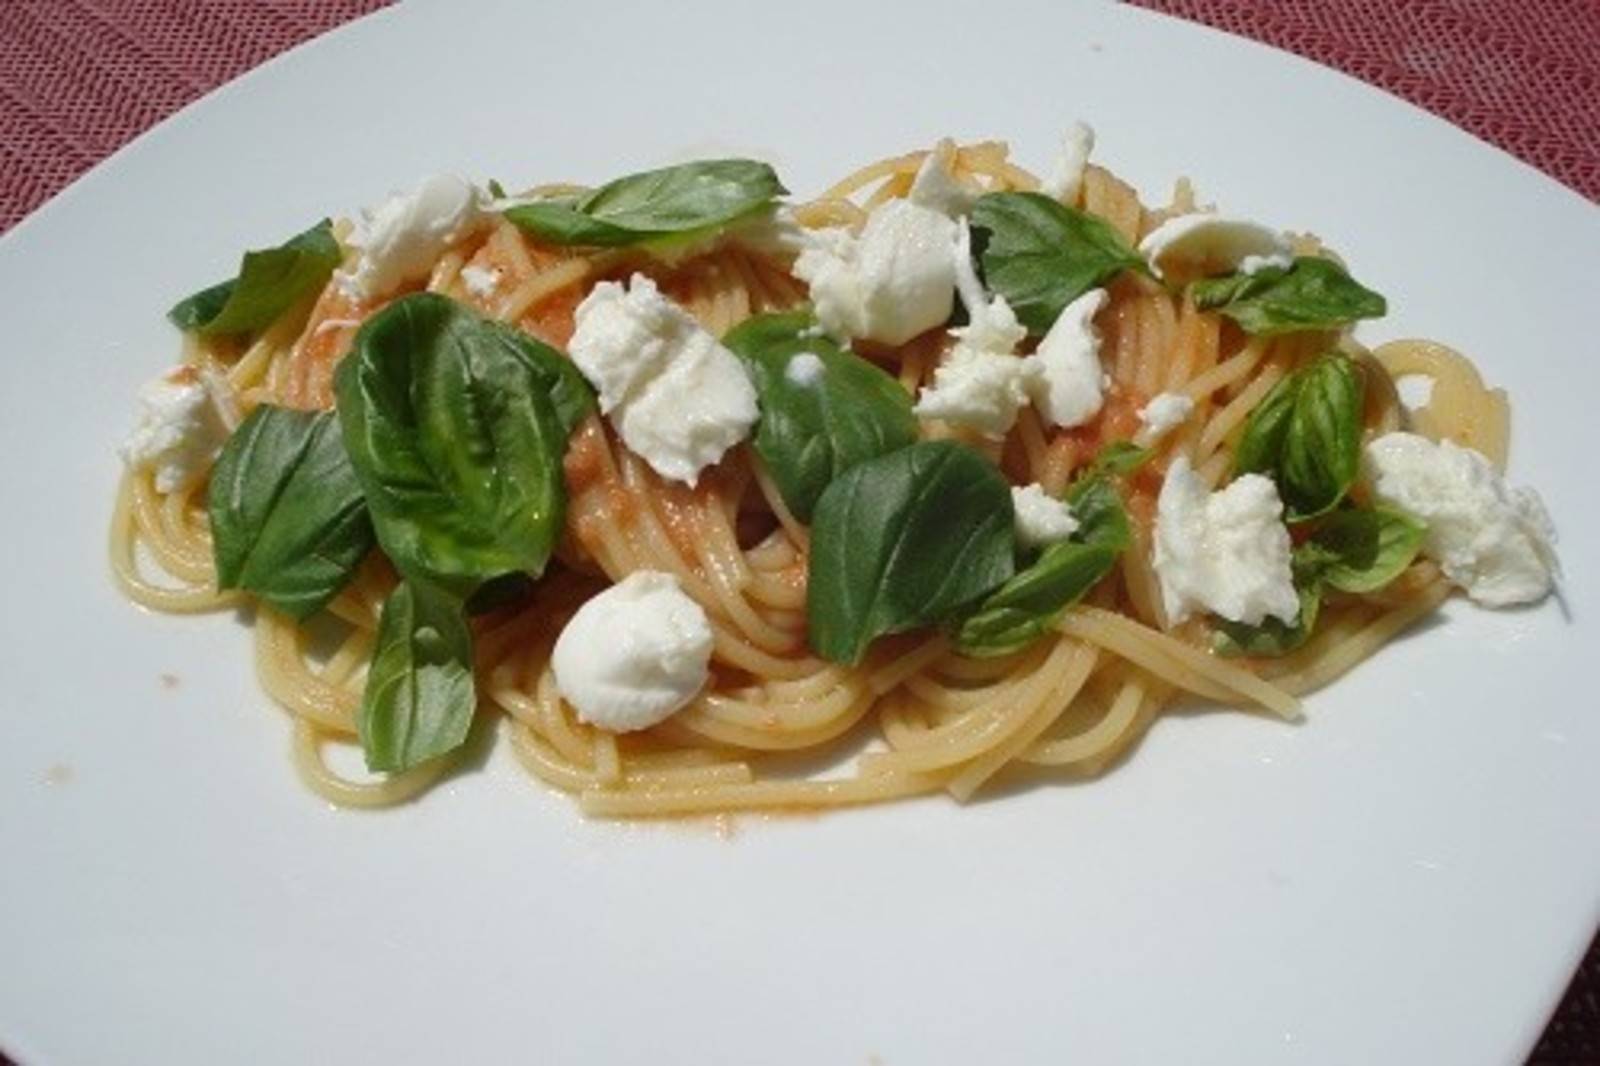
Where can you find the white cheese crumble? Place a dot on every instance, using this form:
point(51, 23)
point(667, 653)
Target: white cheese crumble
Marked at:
point(1225, 552)
point(1066, 175)
point(634, 655)
point(184, 419)
point(1165, 412)
point(1040, 517)
point(936, 187)
point(982, 382)
point(480, 281)
point(678, 398)
point(1205, 243)
point(893, 282)
point(399, 240)
point(1495, 542)
point(1070, 388)
point(804, 369)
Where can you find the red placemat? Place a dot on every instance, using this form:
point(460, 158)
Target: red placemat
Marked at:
point(79, 78)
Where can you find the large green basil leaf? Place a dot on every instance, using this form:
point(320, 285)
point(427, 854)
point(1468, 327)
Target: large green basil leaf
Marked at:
point(269, 282)
point(905, 540)
point(1041, 255)
point(822, 418)
point(288, 521)
point(456, 426)
point(1306, 433)
point(1029, 605)
point(1361, 550)
point(1314, 293)
point(657, 203)
point(420, 697)
point(1273, 636)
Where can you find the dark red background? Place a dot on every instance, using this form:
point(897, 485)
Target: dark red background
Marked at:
point(79, 78)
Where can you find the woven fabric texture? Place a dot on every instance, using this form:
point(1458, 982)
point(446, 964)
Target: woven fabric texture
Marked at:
point(80, 78)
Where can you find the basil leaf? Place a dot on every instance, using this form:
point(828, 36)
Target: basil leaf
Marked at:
point(288, 521)
point(269, 282)
point(1322, 449)
point(1120, 457)
point(1097, 505)
point(1362, 550)
point(1314, 293)
point(905, 540)
point(1266, 428)
point(1029, 605)
point(1041, 255)
point(672, 200)
point(1306, 433)
point(456, 427)
point(419, 698)
point(823, 418)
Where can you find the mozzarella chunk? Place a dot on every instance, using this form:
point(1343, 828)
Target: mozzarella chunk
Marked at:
point(633, 655)
point(1070, 386)
point(480, 281)
point(677, 397)
point(1165, 412)
point(1066, 176)
point(981, 383)
point(1225, 552)
point(936, 187)
point(1203, 243)
point(1041, 518)
point(893, 282)
point(399, 240)
point(184, 419)
point(1495, 542)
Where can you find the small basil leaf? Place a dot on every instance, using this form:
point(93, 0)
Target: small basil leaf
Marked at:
point(1362, 550)
point(288, 521)
point(1041, 255)
point(1321, 453)
point(1266, 428)
point(1102, 520)
point(1306, 434)
point(496, 190)
point(269, 282)
point(419, 698)
point(456, 427)
point(1314, 293)
point(818, 419)
point(1028, 606)
point(672, 200)
point(905, 540)
point(1272, 637)
point(1120, 458)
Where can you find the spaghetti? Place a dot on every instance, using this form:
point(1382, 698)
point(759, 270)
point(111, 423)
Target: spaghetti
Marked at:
point(929, 718)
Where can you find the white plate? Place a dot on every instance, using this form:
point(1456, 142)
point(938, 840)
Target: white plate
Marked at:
point(1410, 876)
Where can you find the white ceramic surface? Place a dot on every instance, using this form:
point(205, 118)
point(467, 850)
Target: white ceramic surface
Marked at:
point(1408, 877)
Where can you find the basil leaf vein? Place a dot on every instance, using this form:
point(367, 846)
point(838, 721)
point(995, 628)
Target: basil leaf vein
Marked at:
point(288, 519)
point(816, 426)
point(1314, 293)
point(420, 696)
point(673, 200)
point(456, 427)
point(905, 540)
point(1041, 255)
point(269, 282)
